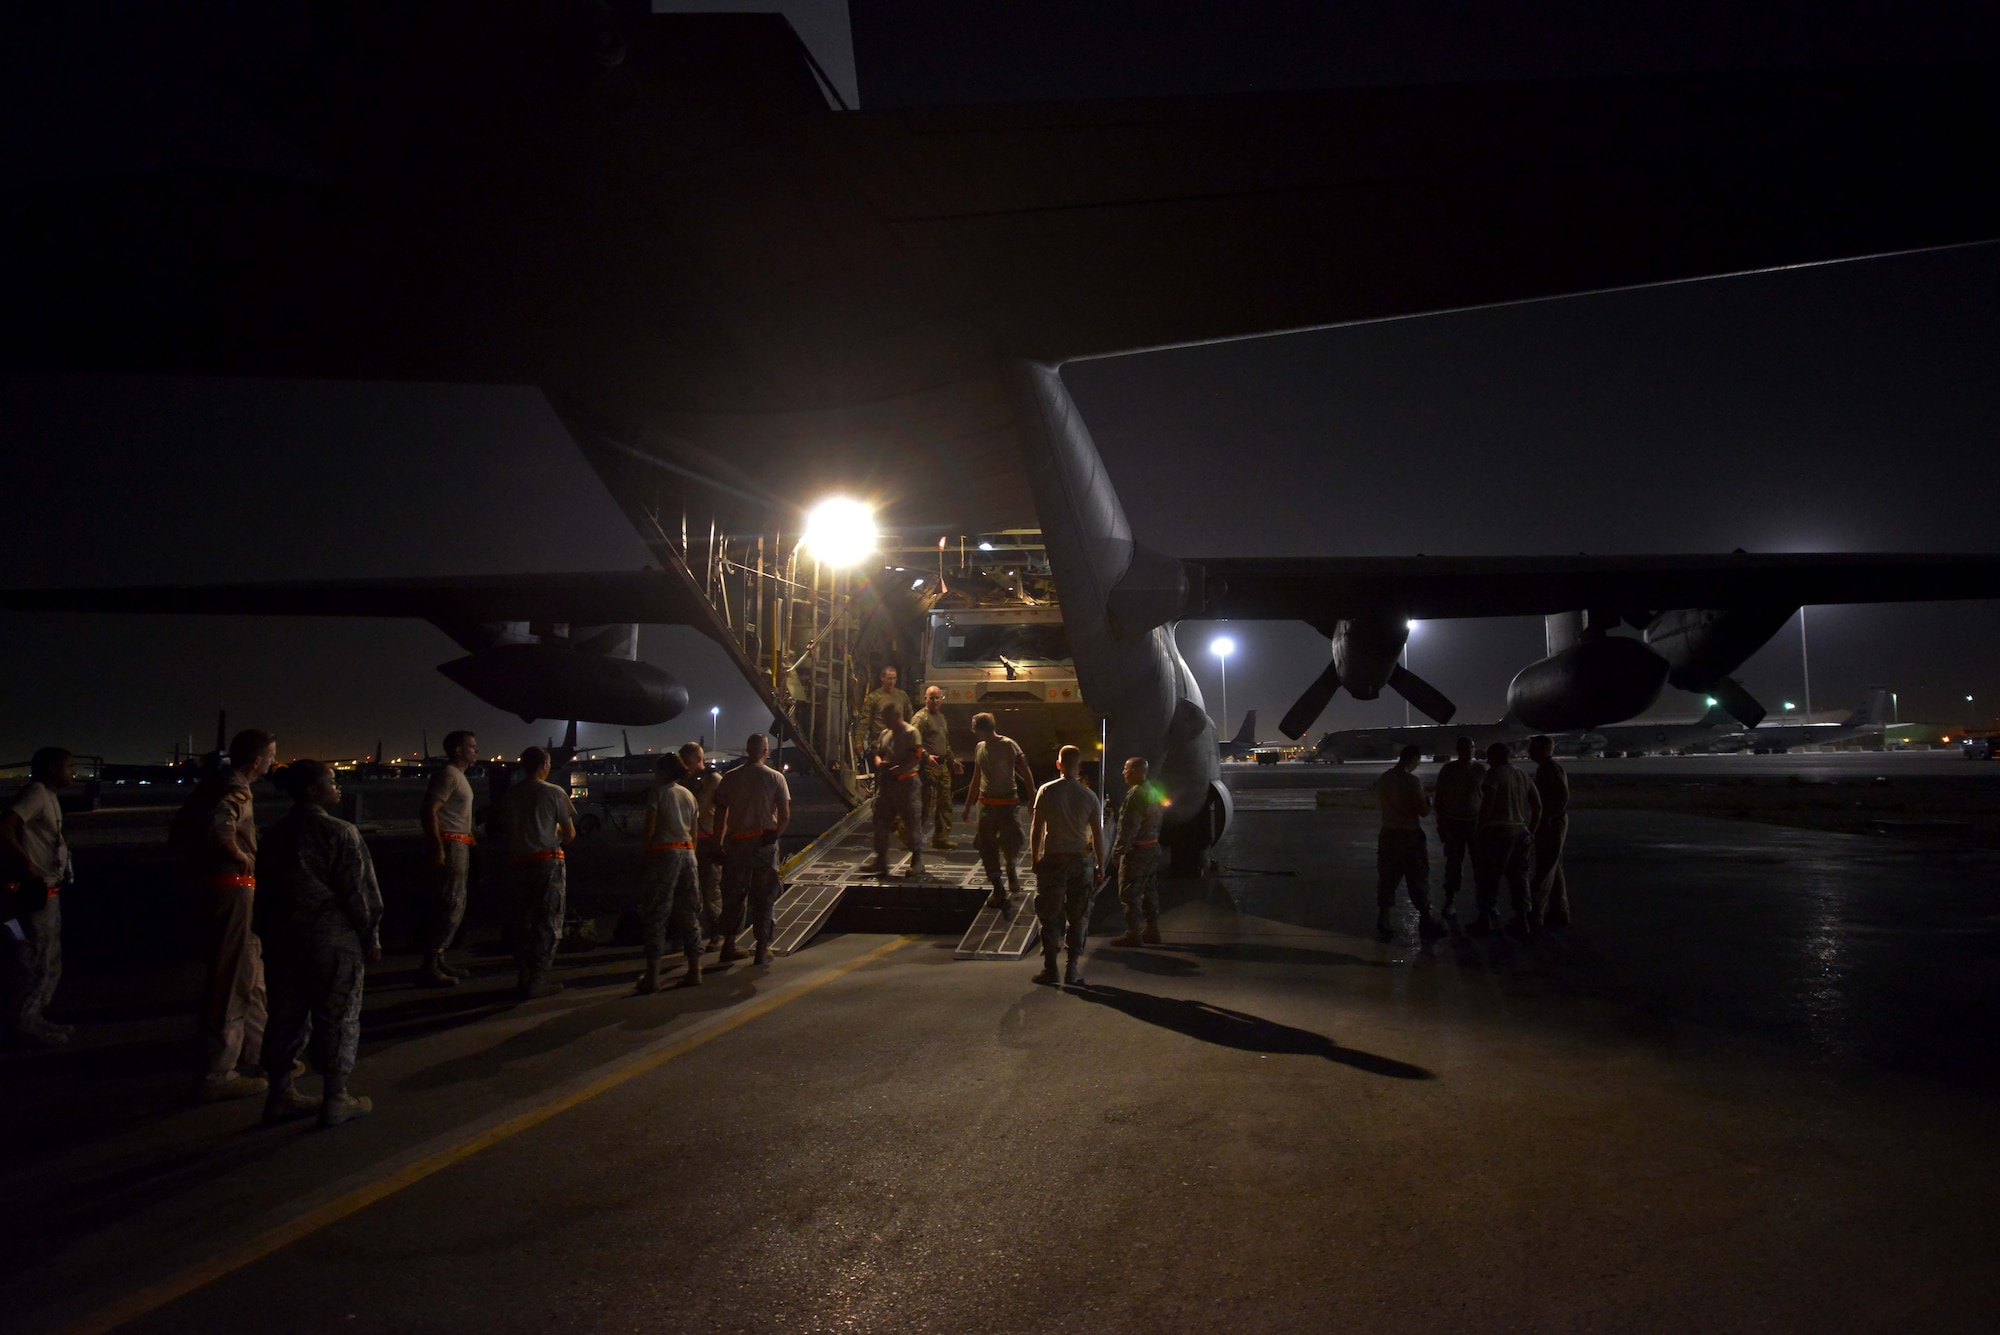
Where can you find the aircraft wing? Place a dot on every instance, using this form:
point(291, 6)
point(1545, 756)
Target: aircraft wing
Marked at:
point(1325, 590)
point(589, 598)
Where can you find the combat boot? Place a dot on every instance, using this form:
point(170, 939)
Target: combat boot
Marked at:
point(649, 981)
point(344, 1107)
point(1384, 929)
point(944, 845)
point(37, 1033)
point(692, 978)
point(445, 966)
point(1073, 975)
point(730, 954)
point(1430, 927)
point(1151, 934)
point(538, 986)
point(231, 1086)
point(1049, 976)
point(1130, 937)
point(286, 1104)
point(763, 955)
point(434, 974)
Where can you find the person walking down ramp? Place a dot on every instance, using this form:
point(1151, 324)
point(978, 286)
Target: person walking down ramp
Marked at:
point(996, 762)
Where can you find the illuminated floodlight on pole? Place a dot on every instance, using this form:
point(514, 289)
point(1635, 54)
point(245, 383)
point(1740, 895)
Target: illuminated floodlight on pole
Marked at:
point(840, 532)
point(715, 725)
point(1222, 647)
point(1411, 627)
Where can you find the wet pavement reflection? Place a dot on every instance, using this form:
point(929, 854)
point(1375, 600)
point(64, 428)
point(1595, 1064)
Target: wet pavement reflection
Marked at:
point(1857, 952)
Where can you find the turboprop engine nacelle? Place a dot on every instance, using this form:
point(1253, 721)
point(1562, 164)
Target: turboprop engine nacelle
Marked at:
point(1366, 651)
point(1587, 685)
point(1702, 645)
point(558, 681)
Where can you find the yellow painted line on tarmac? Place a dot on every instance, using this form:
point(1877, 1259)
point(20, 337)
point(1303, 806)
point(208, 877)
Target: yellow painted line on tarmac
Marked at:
point(482, 1137)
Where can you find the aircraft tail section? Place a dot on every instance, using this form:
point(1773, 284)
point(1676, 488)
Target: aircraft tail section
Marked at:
point(1873, 711)
point(1247, 734)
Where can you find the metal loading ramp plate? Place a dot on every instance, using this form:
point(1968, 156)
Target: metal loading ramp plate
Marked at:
point(993, 937)
point(844, 858)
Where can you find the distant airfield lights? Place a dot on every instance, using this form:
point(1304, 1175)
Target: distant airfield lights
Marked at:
point(840, 532)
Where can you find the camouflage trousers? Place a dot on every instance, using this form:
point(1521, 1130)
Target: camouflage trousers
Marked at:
point(33, 967)
point(1403, 856)
point(1504, 853)
point(447, 896)
point(1456, 836)
point(1551, 886)
point(671, 896)
point(937, 800)
point(1063, 886)
point(539, 892)
point(232, 1006)
point(708, 869)
point(314, 973)
point(749, 883)
point(897, 800)
point(999, 840)
point(1139, 884)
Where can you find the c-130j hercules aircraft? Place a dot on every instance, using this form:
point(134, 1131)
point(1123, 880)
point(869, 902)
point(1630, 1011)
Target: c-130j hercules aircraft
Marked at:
point(741, 300)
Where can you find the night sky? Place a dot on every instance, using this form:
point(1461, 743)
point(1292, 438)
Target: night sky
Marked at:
point(1849, 407)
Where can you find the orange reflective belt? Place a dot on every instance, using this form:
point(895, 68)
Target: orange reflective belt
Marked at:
point(661, 848)
point(546, 855)
point(1144, 843)
point(999, 802)
point(13, 887)
point(236, 882)
point(452, 838)
point(741, 835)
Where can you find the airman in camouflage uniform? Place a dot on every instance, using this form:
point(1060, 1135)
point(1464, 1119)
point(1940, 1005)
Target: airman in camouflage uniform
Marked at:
point(1066, 841)
point(1137, 850)
point(899, 763)
point(318, 912)
point(939, 767)
point(868, 720)
point(672, 884)
point(540, 822)
point(995, 763)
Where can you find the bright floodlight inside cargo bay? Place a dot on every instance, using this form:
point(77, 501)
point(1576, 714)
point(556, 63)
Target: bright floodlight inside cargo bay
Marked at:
point(840, 531)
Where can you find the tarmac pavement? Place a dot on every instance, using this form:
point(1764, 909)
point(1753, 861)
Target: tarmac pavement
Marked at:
point(1752, 1088)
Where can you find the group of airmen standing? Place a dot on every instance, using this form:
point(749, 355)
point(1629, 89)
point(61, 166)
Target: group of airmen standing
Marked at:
point(914, 764)
point(1511, 825)
point(290, 917)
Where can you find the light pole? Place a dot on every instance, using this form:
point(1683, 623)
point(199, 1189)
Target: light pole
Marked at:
point(715, 725)
point(1805, 666)
point(1411, 627)
point(1222, 647)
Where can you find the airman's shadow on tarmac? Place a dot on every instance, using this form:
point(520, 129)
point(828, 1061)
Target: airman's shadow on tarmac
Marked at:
point(1246, 952)
point(1246, 1033)
point(560, 1030)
